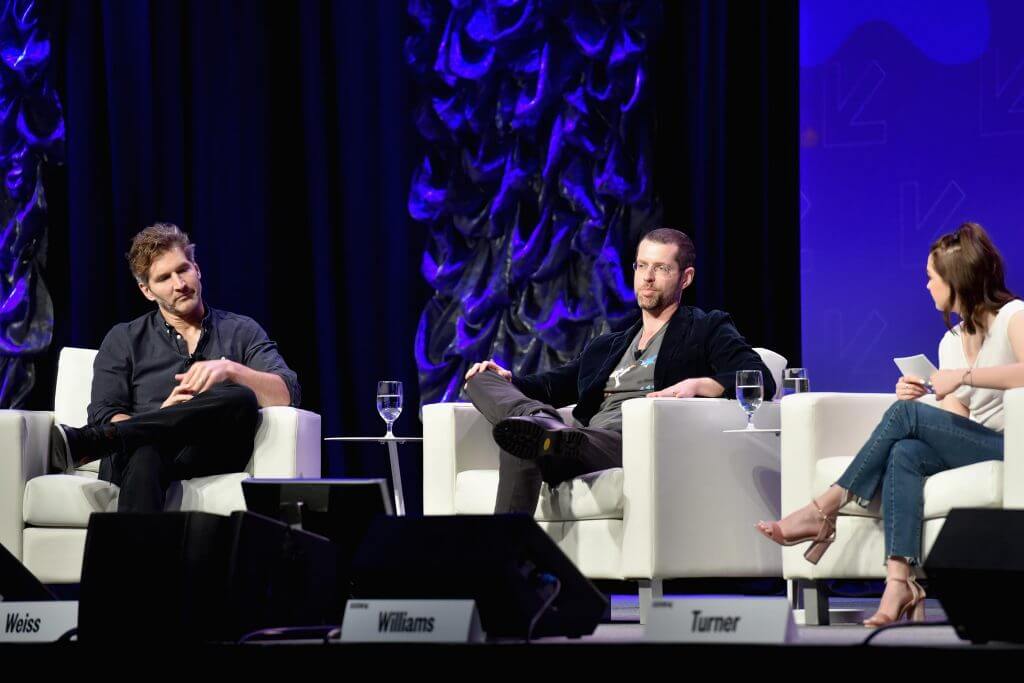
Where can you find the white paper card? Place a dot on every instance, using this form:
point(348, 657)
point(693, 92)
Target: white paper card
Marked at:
point(916, 366)
point(721, 620)
point(37, 622)
point(411, 621)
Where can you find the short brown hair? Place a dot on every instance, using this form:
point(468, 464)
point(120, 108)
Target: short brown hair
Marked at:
point(686, 254)
point(151, 243)
point(973, 268)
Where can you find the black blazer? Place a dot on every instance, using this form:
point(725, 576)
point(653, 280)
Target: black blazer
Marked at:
point(696, 344)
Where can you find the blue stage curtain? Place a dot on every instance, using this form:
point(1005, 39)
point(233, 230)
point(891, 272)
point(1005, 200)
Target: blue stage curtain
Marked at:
point(279, 136)
point(726, 159)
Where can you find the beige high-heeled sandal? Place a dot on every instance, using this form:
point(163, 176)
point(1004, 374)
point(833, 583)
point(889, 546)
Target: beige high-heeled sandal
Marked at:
point(820, 541)
point(913, 609)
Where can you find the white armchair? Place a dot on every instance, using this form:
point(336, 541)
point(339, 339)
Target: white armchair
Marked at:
point(821, 432)
point(43, 518)
point(683, 504)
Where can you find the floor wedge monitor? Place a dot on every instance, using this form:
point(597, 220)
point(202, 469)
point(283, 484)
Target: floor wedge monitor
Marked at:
point(195, 576)
point(523, 584)
point(975, 569)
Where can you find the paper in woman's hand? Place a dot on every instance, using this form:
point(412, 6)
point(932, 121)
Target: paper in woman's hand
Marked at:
point(917, 366)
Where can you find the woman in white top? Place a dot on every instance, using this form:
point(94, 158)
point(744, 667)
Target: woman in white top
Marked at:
point(980, 358)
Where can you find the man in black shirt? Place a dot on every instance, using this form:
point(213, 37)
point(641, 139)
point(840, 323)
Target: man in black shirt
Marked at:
point(672, 351)
point(175, 393)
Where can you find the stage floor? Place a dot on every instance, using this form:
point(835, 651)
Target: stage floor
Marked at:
point(847, 613)
point(846, 634)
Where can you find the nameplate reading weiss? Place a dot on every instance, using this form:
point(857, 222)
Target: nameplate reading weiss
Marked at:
point(411, 621)
point(36, 622)
point(721, 620)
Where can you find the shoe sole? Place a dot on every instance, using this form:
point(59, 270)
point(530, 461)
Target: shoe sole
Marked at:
point(60, 451)
point(529, 441)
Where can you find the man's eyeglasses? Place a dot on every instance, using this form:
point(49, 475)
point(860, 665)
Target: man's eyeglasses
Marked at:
point(659, 269)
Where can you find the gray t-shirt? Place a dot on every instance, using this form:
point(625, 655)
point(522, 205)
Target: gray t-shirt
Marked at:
point(633, 377)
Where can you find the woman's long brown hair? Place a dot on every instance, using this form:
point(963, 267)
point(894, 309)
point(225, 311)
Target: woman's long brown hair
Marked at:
point(973, 268)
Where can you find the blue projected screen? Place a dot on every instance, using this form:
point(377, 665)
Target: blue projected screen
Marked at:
point(911, 122)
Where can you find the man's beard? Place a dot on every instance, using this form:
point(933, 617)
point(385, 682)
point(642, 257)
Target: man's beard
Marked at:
point(651, 301)
point(172, 306)
point(656, 301)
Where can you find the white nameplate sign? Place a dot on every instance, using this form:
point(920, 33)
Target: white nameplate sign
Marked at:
point(721, 620)
point(411, 621)
point(36, 622)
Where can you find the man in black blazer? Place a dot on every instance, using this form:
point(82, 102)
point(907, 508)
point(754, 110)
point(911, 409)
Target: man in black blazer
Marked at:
point(672, 351)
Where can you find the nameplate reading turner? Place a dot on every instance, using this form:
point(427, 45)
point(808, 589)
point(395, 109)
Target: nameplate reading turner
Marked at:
point(721, 620)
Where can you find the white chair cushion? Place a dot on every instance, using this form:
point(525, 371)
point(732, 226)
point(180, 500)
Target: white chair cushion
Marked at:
point(64, 500)
point(220, 494)
point(54, 555)
point(90, 468)
point(978, 485)
point(597, 495)
point(61, 500)
point(475, 492)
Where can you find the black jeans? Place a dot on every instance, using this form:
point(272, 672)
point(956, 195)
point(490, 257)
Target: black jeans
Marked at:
point(519, 480)
point(211, 434)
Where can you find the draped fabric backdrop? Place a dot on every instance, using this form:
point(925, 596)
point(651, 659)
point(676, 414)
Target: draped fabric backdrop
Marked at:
point(31, 133)
point(539, 125)
point(287, 138)
point(538, 177)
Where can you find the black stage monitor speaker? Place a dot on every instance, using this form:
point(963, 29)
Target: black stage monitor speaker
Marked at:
point(523, 584)
point(975, 569)
point(17, 583)
point(340, 509)
point(195, 576)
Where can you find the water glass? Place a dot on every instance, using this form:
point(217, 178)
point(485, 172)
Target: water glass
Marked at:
point(389, 402)
point(794, 381)
point(749, 392)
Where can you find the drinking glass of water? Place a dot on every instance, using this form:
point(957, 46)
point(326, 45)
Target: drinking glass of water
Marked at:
point(794, 381)
point(389, 403)
point(749, 392)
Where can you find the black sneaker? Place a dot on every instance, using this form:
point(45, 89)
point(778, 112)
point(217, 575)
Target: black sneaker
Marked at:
point(72, 447)
point(537, 436)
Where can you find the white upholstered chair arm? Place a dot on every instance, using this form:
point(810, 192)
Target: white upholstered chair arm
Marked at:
point(24, 453)
point(823, 425)
point(456, 438)
point(1013, 450)
point(693, 493)
point(287, 444)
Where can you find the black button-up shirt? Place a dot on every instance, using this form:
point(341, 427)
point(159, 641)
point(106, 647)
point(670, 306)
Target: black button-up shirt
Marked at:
point(695, 344)
point(134, 370)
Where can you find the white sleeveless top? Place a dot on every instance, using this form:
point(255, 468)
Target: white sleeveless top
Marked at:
point(985, 405)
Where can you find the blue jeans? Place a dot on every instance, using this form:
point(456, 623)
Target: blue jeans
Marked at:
point(914, 441)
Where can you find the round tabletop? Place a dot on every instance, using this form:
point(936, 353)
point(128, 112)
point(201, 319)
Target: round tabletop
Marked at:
point(378, 439)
